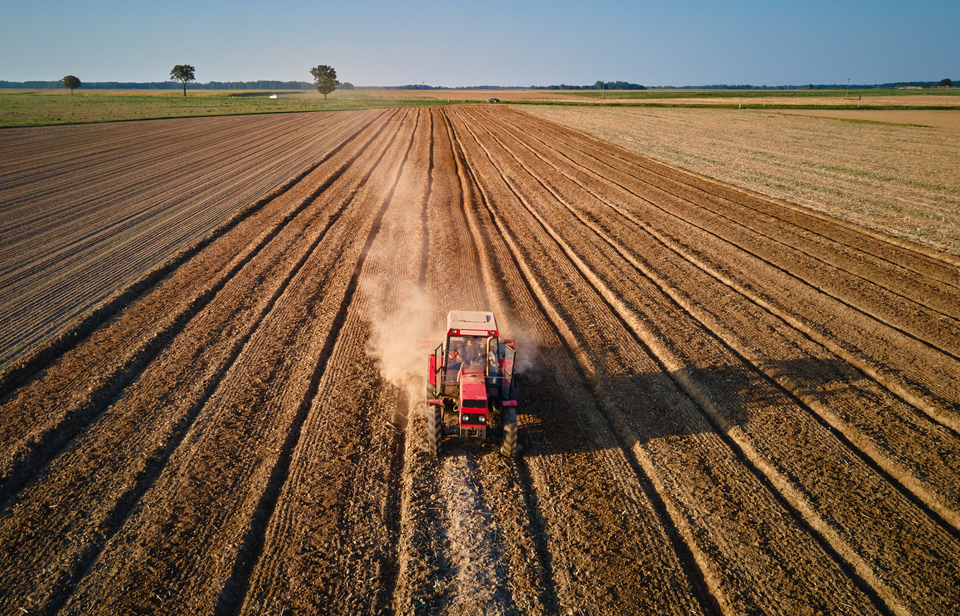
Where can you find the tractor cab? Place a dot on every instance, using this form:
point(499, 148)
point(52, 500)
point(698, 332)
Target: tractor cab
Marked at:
point(472, 343)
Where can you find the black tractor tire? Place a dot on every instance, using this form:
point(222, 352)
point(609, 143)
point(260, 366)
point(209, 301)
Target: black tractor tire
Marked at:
point(434, 428)
point(509, 447)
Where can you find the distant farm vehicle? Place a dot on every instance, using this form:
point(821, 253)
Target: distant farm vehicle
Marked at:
point(470, 382)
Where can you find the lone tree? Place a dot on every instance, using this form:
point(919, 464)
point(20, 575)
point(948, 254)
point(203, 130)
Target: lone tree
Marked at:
point(182, 73)
point(946, 83)
point(325, 78)
point(71, 82)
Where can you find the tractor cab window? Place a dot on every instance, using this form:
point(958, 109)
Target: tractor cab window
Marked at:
point(506, 370)
point(493, 359)
point(455, 350)
point(473, 353)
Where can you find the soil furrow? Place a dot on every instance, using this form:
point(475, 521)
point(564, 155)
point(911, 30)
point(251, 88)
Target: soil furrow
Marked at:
point(623, 503)
point(726, 403)
point(317, 509)
point(431, 564)
point(249, 420)
point(933, 474)
point(509, 484)
point(778, 463)
point(167, 397)
point(74, 333)
point(865, 346)
point(898, 253)
point(897, 294)
point(676, 373)
point(38, 441)
point(486, 564)
point(117, 252)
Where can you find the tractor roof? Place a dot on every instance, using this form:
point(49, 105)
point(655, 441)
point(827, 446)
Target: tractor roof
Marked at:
point(467, 323)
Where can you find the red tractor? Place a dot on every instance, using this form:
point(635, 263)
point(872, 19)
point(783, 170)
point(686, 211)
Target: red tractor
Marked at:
point(471, 377)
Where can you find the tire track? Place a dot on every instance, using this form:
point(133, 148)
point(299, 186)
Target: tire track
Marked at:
point(142, 464)
point(931, 478)
point(441, 564)
point(513, 499)
point(920, 391)
point(660, 567)
point(921, 538)
point(742, 451)
point(37, 444)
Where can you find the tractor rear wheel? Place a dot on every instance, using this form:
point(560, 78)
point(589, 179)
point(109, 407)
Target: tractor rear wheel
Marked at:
point(509, 447)
point(434, 428)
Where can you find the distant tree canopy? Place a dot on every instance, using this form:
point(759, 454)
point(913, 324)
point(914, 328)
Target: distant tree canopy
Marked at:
point(326, 79)
point(182, 73)
point(346, 85)
point(71, 82)
point(617, 85)
point(947, 83)
point(599, 85)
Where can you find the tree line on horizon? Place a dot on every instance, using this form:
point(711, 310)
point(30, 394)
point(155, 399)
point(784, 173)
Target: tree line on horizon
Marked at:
point(162, 85)
point(305, 85)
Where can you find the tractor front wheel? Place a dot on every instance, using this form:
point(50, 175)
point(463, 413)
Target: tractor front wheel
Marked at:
point(509, 447)
point(434, 428)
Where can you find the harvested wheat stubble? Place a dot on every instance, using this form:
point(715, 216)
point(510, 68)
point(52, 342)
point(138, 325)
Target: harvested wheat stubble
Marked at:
point(901, 180)
point(710, 423)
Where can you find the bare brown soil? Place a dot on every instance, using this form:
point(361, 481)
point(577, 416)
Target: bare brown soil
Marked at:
point(87, 209)
point(918, 117)
point(729, 404)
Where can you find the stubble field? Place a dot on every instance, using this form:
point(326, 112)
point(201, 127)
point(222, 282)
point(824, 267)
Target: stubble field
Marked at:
point(892, 171)
point(730, 404)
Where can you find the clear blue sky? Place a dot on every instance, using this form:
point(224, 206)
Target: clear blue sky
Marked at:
point(502, 42)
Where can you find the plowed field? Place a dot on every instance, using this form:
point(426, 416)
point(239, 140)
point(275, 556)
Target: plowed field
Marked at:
point(729, 404)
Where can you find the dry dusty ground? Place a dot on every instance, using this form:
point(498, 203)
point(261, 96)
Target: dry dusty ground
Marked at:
point(730, 404)
point(935, 118)
point(902, 180)
point(87, 209)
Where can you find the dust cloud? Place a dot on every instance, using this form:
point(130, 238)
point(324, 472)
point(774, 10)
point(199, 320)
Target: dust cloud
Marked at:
point(527, 344)
point(402, 334)
point(406, 326)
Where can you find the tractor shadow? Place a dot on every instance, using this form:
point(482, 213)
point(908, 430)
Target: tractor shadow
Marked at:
point(557, 417)
point(560, 420)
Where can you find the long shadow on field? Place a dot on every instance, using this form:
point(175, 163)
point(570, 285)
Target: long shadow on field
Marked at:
point(664, 404)
point(562, 416)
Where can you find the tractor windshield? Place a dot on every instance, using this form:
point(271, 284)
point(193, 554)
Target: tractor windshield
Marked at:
point(463, 352)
